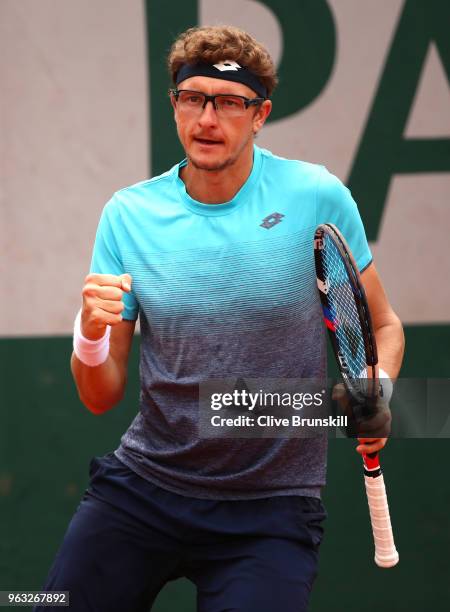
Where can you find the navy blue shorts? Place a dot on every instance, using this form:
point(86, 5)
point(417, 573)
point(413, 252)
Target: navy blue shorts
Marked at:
point(129, 537)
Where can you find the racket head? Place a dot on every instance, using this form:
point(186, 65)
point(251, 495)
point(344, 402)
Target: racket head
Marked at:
point(345, 308)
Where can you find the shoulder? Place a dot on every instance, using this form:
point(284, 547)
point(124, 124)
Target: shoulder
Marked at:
point(131, 198)
point(333, 197)
point(294, 168)
point(325, 180)
point(330, 185)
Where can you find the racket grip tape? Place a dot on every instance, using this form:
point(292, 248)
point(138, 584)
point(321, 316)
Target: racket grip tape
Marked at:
point(386, 554)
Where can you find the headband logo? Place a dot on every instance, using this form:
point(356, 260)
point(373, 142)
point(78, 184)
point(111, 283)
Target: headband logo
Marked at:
point(227, 65)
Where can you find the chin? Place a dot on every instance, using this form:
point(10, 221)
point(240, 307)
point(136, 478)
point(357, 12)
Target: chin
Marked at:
point(210, 164)
point(209, 167)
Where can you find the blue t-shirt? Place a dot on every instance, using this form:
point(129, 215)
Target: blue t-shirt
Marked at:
point(222, 291)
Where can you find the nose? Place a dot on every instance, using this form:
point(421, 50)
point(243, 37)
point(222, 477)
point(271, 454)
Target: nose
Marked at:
point(208, 115)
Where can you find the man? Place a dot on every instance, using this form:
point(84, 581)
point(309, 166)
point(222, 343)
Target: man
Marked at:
point(216, 257)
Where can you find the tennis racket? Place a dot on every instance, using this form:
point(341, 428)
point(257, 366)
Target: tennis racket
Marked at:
point(347, 318)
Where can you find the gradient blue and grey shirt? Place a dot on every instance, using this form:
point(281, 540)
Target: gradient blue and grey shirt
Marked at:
point(222, 291)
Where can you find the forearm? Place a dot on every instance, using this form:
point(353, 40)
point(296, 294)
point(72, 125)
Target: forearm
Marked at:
point(101, 387)
point(386, 324)
point(390, 345)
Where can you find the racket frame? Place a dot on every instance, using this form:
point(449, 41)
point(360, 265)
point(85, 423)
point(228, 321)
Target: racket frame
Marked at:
point(386, 554)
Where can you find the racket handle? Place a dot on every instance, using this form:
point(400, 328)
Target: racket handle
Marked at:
point(386, 554)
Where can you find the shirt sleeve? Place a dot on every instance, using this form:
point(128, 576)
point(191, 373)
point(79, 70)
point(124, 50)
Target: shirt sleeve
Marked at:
point(106, 256)
point(335, 205)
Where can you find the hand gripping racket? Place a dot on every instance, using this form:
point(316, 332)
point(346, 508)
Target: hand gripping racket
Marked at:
point(348, 321)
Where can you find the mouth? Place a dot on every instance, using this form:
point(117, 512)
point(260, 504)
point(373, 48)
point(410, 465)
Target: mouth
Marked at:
point(207, 142)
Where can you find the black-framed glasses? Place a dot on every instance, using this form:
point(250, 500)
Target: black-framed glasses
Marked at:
point(226, 105)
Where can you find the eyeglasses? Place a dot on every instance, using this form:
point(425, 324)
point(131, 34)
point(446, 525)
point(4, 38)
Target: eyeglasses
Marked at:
point(193, 102)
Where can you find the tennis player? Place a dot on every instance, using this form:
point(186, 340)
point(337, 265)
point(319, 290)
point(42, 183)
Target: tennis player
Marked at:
point(215, 257)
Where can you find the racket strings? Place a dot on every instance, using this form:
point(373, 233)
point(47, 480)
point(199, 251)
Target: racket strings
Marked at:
point(344, 312)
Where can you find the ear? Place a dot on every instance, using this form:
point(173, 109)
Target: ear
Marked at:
point(261, 115)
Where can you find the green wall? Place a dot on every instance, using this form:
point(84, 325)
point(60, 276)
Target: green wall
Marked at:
point(47, 439)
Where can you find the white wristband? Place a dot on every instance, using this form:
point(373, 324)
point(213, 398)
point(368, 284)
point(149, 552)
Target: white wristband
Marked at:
point(90, 352)
point(385, 382)
point(386, 385)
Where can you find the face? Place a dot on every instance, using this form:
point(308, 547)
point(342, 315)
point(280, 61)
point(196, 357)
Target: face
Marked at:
point(213, 142)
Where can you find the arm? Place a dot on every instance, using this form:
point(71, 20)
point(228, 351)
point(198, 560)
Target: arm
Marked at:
point(389, 337)
point(101, 387)
point(386, 324)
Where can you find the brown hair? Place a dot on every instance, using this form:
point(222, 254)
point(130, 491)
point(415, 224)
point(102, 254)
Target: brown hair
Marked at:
point(211, 44)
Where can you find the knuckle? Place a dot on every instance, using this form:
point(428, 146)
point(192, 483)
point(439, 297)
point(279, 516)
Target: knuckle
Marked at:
point(89, 290)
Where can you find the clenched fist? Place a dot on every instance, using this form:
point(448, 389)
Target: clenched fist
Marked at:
point(102, 303)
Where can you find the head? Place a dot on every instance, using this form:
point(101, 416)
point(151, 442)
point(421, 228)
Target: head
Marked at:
point(215, 137)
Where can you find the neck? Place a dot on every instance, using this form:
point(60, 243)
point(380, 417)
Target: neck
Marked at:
point(217, 186)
